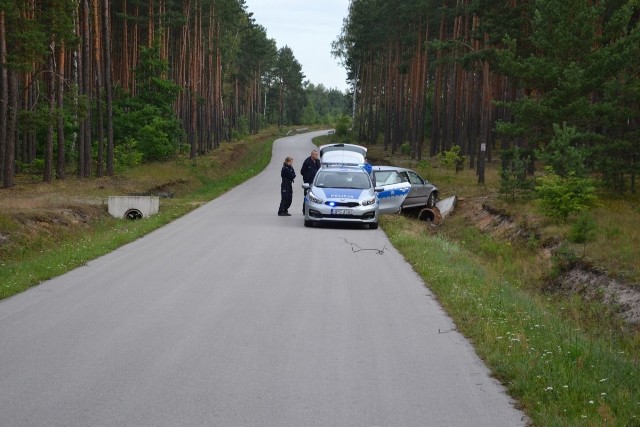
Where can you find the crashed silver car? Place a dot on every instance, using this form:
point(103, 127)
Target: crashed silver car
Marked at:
point(346, 194)
point(423, 193)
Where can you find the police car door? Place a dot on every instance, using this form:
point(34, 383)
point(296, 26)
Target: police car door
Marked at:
point(391, 191)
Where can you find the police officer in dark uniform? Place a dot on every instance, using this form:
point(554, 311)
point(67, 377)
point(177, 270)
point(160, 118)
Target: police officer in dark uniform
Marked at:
point(309, 169)
point(286, 187)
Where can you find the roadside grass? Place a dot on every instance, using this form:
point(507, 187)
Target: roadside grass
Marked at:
point(617, 241)
point(35, 258)
point(560, 373)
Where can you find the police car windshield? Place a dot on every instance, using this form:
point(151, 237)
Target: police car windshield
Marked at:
point(340, 179)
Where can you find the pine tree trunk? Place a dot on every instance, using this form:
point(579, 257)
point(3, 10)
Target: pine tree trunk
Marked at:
point(4, 96)
point(436, 127)
point(84, 155)
point(10, 143)
point(106, 22)
point(51, 98)
point(97, 62)
point(60, 165)
point(485, 125)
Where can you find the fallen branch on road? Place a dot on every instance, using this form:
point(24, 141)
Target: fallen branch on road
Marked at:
point(356, 248)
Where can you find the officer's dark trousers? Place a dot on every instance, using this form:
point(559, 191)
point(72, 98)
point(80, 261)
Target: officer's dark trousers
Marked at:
point(286, 193)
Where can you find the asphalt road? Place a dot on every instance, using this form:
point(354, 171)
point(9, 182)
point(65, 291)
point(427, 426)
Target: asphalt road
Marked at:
point(234, 316)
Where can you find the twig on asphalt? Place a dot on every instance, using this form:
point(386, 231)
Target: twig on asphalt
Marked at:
point(356, 248)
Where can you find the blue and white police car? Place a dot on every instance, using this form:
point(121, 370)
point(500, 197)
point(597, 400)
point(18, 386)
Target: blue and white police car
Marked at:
point(346, 194)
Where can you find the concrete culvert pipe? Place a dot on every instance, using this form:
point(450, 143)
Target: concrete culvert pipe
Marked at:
point(431, 214)
point(133, 214)
point(133, 207)
point(427, 214)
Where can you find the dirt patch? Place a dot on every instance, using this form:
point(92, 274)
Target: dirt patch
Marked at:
point(594, 285)
point(622, 298)
point(165, 190)
point(493, 220)
point(238, 151)
point(51, 222)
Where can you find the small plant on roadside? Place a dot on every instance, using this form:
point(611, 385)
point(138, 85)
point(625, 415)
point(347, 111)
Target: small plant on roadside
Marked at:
point(452, 159)
point(561, 197)
point(126, 154)
point(423, 164)
point(583, 231)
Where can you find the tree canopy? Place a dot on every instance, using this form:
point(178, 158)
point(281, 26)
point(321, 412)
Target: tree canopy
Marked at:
point(478, 73)
point(96, 84)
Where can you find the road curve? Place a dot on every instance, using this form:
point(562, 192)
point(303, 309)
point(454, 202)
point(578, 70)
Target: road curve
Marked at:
point(234, 316)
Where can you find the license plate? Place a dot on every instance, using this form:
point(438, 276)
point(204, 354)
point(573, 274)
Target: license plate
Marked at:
point(341, 212)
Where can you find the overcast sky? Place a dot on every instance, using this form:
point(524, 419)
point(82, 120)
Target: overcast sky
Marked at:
point(308, 27)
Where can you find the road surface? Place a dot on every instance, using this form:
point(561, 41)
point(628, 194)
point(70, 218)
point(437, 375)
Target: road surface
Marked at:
point(234, 316)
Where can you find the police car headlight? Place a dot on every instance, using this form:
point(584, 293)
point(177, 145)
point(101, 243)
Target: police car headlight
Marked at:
point(369, 202)
point(313, 198)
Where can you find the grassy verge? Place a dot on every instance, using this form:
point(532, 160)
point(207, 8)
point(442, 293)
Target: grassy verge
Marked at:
point(561, 374)
point(34, 259)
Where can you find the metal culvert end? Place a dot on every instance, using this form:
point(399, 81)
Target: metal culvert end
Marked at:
point(427, 215)
point(133, 214)
point(431, 215)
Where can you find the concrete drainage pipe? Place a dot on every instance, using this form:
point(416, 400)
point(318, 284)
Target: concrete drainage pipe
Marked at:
point(133, 214)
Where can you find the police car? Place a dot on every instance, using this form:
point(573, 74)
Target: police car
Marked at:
point(346, 194)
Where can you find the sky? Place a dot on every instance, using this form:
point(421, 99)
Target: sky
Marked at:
point(308, 27)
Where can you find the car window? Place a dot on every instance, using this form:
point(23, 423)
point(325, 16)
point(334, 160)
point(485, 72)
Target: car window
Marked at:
point(342, 158)
point(387, 177)
point(359, 180)
point(414, 178)
point(333, 179)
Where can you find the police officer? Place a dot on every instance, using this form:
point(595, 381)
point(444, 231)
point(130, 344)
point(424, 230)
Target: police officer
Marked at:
point(309, 169)
point(286, 187)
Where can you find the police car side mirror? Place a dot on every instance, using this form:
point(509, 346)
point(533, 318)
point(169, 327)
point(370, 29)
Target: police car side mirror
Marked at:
point(306, 185)
point(379, 189)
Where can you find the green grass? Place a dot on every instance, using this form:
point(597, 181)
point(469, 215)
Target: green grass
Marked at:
point(560, 374)
point(617, 237)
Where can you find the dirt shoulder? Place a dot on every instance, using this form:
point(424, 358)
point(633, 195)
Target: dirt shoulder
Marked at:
point(579, 277)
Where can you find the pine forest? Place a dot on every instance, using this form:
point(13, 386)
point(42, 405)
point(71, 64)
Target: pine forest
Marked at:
point(87, 86)
point(550, 80)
